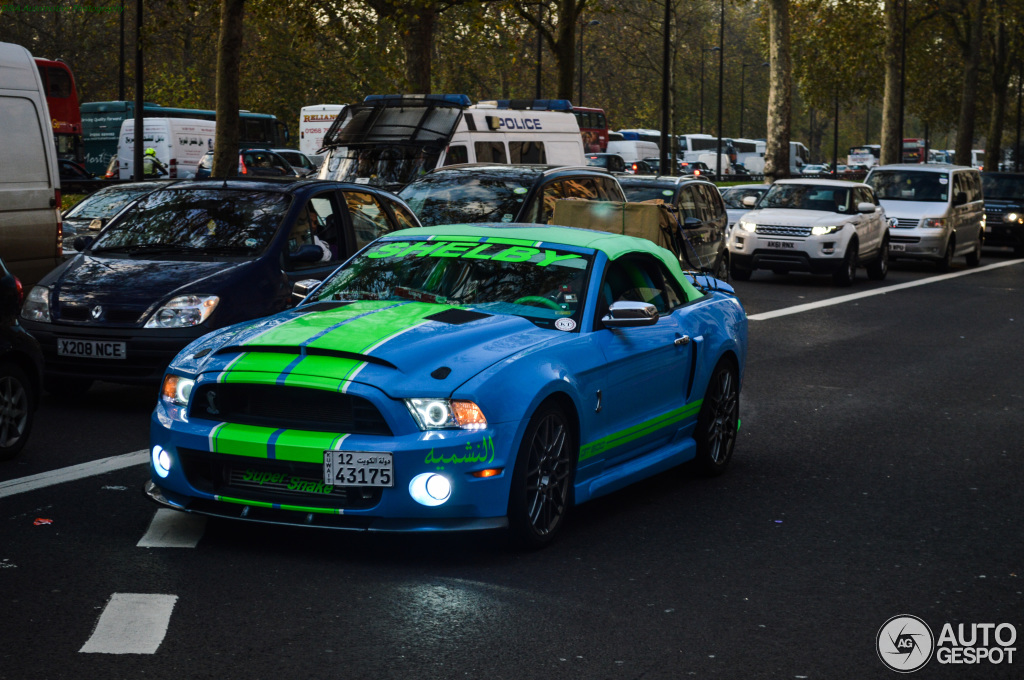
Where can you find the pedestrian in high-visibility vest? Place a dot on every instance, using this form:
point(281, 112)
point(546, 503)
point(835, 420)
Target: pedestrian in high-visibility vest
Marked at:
point(152, 168)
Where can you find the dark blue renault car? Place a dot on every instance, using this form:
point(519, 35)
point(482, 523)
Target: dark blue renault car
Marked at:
point(191, 258)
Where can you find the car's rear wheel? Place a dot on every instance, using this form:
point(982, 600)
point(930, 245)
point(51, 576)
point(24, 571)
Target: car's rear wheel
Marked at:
point(16, 400)
point(718, 420)
point(541, 490)
point(974, 257)
point(722, 270)
point(845, 275)
point(879, 267)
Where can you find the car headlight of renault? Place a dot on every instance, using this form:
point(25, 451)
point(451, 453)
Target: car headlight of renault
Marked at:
point(184, 311)
point(37, 304)
point(446, 414)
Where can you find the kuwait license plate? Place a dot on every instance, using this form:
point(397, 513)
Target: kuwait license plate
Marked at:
point(780, 244)
point(93, 349)
point(897, 247)
point(358, 468)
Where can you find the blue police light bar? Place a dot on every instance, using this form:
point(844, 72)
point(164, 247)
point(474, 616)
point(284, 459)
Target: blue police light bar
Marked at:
point(534, 104)
point(457, 99)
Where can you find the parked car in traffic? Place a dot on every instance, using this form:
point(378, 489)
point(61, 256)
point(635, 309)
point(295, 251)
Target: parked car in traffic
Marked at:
point(815, 169)
point(478, 192)
point(74, 179)
point(1004, 210)
point(702, 218)
point(189, 258)
point(609, 161)
point(253, 163)
point(91, 214)
point(819, 226)
point(21, 370)
point(735, 199)
point(936, 211)
point(299, 161)
point(445, 379)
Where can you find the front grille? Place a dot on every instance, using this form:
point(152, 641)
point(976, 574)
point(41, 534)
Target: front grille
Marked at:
point(771, 230)
point(73, 312)
point(287, 407)
point(904, 239)
point(904, 223)
point(272, 481)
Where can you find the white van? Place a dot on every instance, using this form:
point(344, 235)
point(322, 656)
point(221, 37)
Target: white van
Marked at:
point(633, 150)
point(314, 122)
point(30, 223)
point(489, 134)
point(180, 144)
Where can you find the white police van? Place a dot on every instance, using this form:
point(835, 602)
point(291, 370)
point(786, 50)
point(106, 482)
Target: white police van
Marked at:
point(390, 140)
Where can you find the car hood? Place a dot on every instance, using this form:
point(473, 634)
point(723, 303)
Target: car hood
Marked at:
point(913, 210)
point(402, 348)
point(788, 217)
point(136, 283)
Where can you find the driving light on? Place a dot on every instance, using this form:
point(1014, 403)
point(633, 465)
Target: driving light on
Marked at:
point(821, 231)
point(1011, 217)
point(489, 472)
point(177, 389)
point(161, 461)
point(430, 489)
point(468, 415)
point(441, 414)
point(748, 226)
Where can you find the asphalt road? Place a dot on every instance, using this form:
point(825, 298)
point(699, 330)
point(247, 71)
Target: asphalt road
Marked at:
point(878, 472)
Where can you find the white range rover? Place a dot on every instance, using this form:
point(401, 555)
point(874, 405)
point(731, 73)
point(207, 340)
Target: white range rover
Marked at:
point(813, 225)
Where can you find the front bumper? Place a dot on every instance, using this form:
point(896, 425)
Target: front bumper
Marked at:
point(814, 254)
point(1003, 234)
point(917, 244)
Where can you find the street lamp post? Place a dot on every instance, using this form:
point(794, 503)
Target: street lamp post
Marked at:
point(719, 170)
point(703, 51)
point(593, 22)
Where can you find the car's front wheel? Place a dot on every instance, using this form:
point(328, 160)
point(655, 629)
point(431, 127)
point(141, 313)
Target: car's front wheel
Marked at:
point(542, 481)
point(739, 273)
point(718, 420)
point(879, 267)
point(946, 263)
point(974, 257)
point(845, 275)
point(15, 410)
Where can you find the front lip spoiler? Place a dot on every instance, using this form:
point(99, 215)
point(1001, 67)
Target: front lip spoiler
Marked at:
point(291, 518)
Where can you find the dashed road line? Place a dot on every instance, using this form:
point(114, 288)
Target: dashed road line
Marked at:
point(842, 299)
point(173, 529)
point(72, 473)
point(131, 623)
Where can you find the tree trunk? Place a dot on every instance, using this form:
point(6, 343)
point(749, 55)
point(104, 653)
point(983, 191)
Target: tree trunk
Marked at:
point(892, 136)
point(229, 57)
point(780, 85)
point(564, 46)
point(969, 91)
point(1000, 85)
point(418, 41)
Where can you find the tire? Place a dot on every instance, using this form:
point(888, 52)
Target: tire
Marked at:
point(879, 267)
point(974, 257)
point(946, 263)
point(739, 273)
point(545, 469)
point(722, 270)
point(718, 421)
point(67, 389)
point(848, 273)
point(16, 414)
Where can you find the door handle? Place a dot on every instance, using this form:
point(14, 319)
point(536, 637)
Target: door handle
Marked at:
point(679, 342)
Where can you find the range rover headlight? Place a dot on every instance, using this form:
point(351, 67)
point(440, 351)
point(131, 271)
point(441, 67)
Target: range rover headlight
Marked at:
point(748, 226)
point(37, 304)
point(822, 231)
point(184, 311)
point(1012, 217)
point(446, 414)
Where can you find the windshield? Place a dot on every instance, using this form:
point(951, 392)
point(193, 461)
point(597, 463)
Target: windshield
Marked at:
point(104, 204)
point(734, 197)
point(197, 220)
point(807, 197)
point(636, 193)
point(385, 166)
point(1003, 187)
point(910, 185)
point(543, 285)
point(451, 198)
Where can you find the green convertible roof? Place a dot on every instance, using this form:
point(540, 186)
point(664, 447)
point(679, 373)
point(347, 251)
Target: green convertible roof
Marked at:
point(612, 245)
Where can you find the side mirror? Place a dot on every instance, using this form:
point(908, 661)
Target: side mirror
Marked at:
point(749, 201)
point(692, 223)
point(82, 242)
point(866, 207)
point(307, 253)
point(300, 289)
point(960, 198)
point(628, 314)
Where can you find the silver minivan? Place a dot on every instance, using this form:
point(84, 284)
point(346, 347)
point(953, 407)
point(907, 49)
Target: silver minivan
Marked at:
point(30, 222)
point(936, 211)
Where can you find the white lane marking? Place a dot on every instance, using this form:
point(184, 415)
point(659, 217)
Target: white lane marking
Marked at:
point(809, 306)
point(131, 623)
point(70, 474)
point(173, 529)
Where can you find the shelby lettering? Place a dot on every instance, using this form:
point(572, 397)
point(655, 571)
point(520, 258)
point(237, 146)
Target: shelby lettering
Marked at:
point(470, 251)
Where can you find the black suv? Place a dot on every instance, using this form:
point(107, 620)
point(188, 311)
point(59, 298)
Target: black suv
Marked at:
point(1004, 210)
point(21, 370)
point(190, 258)
point(701, 213)
point(480, 192)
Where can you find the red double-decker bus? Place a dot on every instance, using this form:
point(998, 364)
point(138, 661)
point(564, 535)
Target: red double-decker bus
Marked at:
point(914, 151)
point(62, 99)
point(593, 128)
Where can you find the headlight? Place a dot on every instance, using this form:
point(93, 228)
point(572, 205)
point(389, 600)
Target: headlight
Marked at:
point(177, 389)
point(37, 304)
point(934, 223)
point(445, 414)
point(184, 311)
point(748, 226)
point(1011, 217)
point(821, 231)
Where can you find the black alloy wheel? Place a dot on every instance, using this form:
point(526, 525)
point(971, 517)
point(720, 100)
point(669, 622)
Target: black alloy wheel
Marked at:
point(718, 420)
